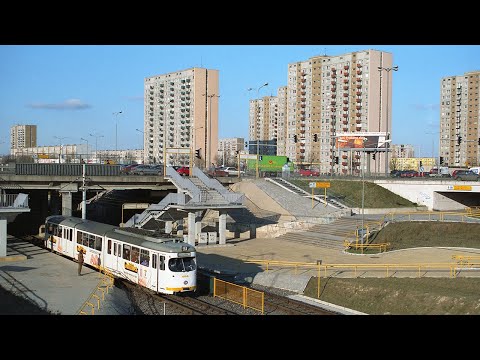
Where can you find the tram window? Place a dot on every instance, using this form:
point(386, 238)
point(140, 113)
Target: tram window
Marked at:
point(98, 243)
point(126, 252)
point(135, 254)
point(79, 237)
point(109, 247)
point(91, 241)
point(144, 257)
point(162, 262)
point(59, 231)
point(154, 261)
point(115, 249)
point(71, 235)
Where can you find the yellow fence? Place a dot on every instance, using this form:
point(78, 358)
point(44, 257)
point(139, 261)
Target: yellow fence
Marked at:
point(242, 295)
point(356, 245)
point(106, 282)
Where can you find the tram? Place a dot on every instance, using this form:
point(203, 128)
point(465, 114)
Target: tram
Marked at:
point(165, 265)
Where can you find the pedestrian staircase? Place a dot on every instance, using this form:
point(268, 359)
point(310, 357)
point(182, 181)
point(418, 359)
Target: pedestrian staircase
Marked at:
point(197, 190)
point(287, 185)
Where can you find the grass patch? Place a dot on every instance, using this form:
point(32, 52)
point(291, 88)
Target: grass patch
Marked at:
point(350, 193)
point(401, 296)
point(410, 234)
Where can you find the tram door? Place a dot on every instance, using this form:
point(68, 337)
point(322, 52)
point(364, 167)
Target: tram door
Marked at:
point(110, 260)
point(154, 272)
point(67, 241)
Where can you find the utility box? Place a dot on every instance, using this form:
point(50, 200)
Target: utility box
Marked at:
point(203, 238)
point(212, 237)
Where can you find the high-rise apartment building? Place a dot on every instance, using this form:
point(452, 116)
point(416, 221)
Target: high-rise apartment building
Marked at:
point(23, 136)
point(181, 112)
point(227, 150)
point(402, 151)
point(459, 120)
point(325, 97)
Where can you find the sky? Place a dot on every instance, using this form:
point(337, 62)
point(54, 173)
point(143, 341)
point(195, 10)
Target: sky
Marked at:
point(75, 91)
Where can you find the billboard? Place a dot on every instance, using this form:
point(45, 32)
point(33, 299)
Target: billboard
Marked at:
point(365, 141)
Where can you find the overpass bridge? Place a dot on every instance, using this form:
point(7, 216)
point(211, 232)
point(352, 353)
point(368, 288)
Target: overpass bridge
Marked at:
point(444, 194)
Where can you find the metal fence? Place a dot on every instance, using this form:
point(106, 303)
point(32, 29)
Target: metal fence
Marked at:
point(242, 295)
point(67, 169)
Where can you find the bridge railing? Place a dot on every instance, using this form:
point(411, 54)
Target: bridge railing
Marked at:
point(13, 200)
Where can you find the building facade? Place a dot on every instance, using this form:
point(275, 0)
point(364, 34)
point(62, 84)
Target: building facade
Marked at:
point(228, 150)
point(459, 120)
point(181, 117)
point(402, 151)
point(23, 136)
point(325, 97)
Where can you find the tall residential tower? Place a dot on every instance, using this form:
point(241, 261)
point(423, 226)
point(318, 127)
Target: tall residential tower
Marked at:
point(23, 136)
point(459, 120)
point(181, 112)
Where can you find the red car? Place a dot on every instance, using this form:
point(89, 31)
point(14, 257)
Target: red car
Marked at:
point(309, 172)
point(184, 170)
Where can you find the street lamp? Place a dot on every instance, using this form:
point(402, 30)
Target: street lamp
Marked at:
point(255, 123)
point(380, 69)
point(96, 144)
point(116, 125)
point(209, 129)
point(87, 145)
point(61, 146)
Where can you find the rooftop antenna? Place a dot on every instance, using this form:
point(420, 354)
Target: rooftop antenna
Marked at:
point(324, 51)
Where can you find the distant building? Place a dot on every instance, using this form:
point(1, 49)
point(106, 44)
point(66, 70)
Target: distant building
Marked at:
point(325, 97)
point(23, 136)
point(181, 113)
point(228, 148)
point(402, 151)
point(412, 164)
point(459, 120)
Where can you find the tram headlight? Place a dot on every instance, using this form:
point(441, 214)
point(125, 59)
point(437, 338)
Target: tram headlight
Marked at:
point(185, 282)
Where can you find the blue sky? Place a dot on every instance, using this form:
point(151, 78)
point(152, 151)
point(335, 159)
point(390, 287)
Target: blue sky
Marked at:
point(73, 91)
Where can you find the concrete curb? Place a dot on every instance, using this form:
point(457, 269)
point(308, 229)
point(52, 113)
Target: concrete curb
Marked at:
point(327, 306)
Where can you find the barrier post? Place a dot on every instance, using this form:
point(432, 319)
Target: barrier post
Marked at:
point(318, 285)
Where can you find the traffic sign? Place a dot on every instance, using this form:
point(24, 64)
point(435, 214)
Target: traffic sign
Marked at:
point(319, 184)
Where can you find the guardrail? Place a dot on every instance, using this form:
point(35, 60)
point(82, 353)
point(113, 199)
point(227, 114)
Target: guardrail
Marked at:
point(106, 282)
point(242, 295)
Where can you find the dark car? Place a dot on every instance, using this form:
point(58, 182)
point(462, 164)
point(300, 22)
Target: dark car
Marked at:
point(395, 173)
point(145, 169)
point(466, 175)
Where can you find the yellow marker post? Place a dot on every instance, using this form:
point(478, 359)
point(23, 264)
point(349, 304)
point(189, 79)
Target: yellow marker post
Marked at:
point(312, 197)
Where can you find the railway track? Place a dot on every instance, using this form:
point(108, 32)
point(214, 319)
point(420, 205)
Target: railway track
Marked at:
point(282, 305)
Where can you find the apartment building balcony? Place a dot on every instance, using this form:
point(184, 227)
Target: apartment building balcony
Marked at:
point(344, 163)
point(345, 108)
point(334, 95)
point(303, 86)
point(345, 81)
point(358, 100)
point(333, 109)
point(333, 102)
point(333, 82)
point(359, 79)
point(358, 107)
point(334, 76)
point(345, 67)
point(359, 114)
point(359, 72)
point(302, 151)
point(359, 86)
point(345, 122)
point(358, 121)
point(346, 74)
point(359, 93)
point(345, 101)
point(358, 128)
point(345, 95)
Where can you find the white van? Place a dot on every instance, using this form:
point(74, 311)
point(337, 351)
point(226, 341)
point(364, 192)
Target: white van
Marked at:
point(476, 170)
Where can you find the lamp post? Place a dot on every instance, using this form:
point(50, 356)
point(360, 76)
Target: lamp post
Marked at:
point(87, 145)
point(380, 69)
point(61, 146)
point(96, 144)
point(255, 123)
point(209, 130)
point(116, 125)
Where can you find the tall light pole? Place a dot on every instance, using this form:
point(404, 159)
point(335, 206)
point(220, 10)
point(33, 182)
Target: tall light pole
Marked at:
point(209, 130)
point(380, 69)
point(116, 125)
point(96, 144)
point(61, 146)
point(87, 145)
point(143, 138)
point(255, 123)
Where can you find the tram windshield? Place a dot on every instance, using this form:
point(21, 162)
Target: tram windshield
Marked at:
point(182, 264)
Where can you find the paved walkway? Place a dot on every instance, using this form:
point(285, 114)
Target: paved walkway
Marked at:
point(51, 281)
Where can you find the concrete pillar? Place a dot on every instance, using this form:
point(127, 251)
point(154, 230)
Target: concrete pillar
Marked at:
point(168, 227)
point(3, 237)
point(191, 228)
point(67, 203)
point(222, 228)
point(180, 227)
point(198, 226)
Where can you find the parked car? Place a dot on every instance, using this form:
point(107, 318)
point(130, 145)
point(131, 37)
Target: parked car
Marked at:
point(395, 173)
point(232, 171)
point(183, 170)
point(126, 169)
point(409, 173)
point(217, 172)
point(145, 169)
point(466, 175)
point(308, 172)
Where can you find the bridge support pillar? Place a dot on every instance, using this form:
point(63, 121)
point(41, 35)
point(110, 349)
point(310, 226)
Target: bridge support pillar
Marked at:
point(3, 237)
point(222, 228)
point(168, 227)
point(191, 228)
point(66, 203)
